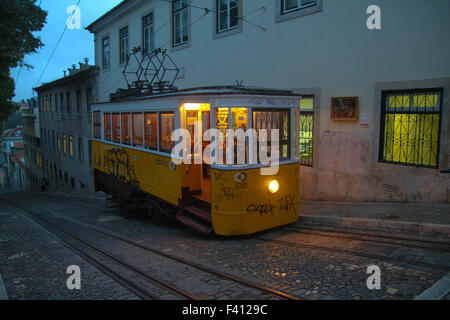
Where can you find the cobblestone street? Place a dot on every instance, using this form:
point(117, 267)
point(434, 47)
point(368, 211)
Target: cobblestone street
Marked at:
point(292, 262)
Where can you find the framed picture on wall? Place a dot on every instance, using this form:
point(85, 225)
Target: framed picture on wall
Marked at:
point(344, 109)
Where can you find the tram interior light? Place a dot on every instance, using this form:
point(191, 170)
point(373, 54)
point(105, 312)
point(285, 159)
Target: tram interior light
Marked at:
point(192, 106)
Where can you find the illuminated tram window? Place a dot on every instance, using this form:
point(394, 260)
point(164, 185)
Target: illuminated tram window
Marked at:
point(138, 136)
point(116, 127)
point(270, 120)
point(151, 131)
point(126, 128)
point(166, 127)
point(107, 126)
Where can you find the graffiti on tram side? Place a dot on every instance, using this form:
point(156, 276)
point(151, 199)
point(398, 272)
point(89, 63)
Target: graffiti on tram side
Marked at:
point(261, 208)
point(118, 164)
point(228, 193)
point(162, 163)
point(219, 176)
point(286, 204)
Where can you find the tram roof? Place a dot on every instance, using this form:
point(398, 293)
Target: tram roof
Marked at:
point(211, 90)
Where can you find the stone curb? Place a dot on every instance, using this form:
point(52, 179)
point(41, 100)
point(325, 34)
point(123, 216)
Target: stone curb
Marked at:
point(3, 293)
point(437, 291)
point(378, 224)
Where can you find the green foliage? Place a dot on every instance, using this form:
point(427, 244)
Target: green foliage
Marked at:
point(13, 121)
point(19, 19)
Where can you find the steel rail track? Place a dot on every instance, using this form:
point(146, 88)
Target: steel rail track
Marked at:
point(195, 265)
point(65, 199)
point(220, 274)
point(291, 228)
point(371, 234)
point(354, 253)
point(353, 236)
point(128, 284)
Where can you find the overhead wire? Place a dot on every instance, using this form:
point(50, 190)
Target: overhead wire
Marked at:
point(56, 47)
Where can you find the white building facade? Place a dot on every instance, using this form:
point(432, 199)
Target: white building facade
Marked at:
point(391, 146)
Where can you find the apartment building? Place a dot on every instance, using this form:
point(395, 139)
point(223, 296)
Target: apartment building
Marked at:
point(374, 115)
point(12, 148)
point(32, 146)
point(65, 120)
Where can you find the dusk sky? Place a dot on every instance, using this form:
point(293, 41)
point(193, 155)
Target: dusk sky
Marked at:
point(73, 48)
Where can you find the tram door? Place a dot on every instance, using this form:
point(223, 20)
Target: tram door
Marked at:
point(198, 174)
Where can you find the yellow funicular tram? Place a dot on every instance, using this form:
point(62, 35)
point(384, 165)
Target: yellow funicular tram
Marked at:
point(132, 154)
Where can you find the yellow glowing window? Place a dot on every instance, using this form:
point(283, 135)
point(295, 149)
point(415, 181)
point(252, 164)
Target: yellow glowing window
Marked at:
point(411, 127)
point(64, 143)
point(71, 145)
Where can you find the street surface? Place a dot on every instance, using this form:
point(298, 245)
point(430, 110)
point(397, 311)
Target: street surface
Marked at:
point(119, 257)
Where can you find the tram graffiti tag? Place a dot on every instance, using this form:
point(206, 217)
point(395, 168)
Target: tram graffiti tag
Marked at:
point(227, 193)
point(118, 163)
point(286, 204)
point(264, 208)
point(219, 176)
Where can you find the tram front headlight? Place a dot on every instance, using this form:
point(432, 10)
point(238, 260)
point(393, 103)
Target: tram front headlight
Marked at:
point(274, 186)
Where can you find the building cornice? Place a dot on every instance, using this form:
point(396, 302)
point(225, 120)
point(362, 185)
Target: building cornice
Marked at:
point(112, 15)
point(89, 72)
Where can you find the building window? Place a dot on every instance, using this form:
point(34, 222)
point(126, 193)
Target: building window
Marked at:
point(180, 21)
point(79, 107)
point(151, 131)
point(80, 149)
point(61, 98)
point(289, 9)
point(58, 137)
point(116, 127)
point(293, 5)
point(54, 140)
point(71, 145)
point(64, 138)
point(97, 125)
point(147, 33)
point(68, 102)
point(57, 102)
point(166, 127)
point(88, 99)
point(227, 15)
point(138, 136)
point(51, 103)
point(274, 119)
point(106, 53)
point(410, 127)
point(107, 126)
point(126, 128)
point(123, 45)
point(306, 131)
